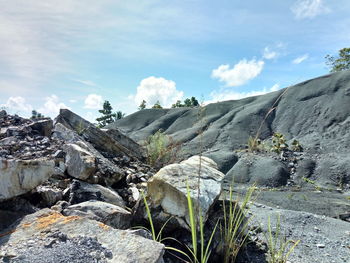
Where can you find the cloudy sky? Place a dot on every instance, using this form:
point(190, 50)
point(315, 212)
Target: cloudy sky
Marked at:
point(76, 54)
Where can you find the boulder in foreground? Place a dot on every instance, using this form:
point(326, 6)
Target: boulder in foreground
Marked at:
point(48, 236)
point(168, 188)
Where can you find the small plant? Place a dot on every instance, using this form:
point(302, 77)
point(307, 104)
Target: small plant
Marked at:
point(80, 128)
point(235, 225)
point(296, 147)
point(253, 144)
point(160, 149)
point(279, 248)
point(279, 143)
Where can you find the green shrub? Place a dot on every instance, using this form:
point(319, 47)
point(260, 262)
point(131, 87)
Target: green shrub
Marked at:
point(279, 143)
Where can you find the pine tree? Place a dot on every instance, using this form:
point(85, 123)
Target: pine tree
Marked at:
point(340, 63)
point(107, 115)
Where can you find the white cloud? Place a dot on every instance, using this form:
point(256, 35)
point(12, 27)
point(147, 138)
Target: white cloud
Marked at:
point(300, 59)
point(93, 101)
point(309, 8)
point(240, 74)
point(86, 82)
point(52, 106)
point(154, 89)
point(17, 105)
point(274, 51)
point(223, 95)
point(269, 54)
point(275, 87)
point(91, 116)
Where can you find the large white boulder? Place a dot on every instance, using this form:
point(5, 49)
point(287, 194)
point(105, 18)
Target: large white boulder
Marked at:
point(168, 188)
point(21, 176)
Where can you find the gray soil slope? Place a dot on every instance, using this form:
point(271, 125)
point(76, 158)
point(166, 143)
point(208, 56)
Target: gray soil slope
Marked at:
point(315, 112)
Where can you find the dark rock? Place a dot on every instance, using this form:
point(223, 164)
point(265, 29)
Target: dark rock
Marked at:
point(98, 138)
point(3, 114)
point(259, 170)
point(81, 192)
point(42, 127)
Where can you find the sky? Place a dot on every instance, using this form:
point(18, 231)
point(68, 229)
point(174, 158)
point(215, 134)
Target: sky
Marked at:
point(77, 54)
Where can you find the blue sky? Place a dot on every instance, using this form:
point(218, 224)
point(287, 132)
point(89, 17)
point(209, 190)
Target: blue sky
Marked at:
point(76, 54)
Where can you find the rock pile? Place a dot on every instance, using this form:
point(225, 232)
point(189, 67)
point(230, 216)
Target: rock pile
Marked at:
point(68, 186)
point(26, 139)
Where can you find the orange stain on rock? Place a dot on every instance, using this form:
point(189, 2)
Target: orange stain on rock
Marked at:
point(103, 226)
point(52, 218)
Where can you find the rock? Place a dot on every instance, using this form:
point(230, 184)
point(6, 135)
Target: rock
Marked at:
point(261, 170)
point(42, 127)
point(135, 194)
point(48, 236)
point(80, 163)
point(50, 195)
point(98, 138)
point(128, 143)
point(3, 114)
point(168, 188)
point(13, 209)
point(81, 192)
point(106, 171)
point(106, 213)
point(18, 177)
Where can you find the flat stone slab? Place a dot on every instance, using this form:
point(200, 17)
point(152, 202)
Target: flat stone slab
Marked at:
point(47, 229)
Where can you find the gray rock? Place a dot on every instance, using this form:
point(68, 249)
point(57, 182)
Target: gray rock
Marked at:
point(82, 191)
point(106, 213)
point(263, 171)
point(3, 114)
point(70, 233)
point(168, 188)
point(18, 176)
point(98, 138)
point(49, 194)
point(80, 163)
point(42, 127)
point(108, 172)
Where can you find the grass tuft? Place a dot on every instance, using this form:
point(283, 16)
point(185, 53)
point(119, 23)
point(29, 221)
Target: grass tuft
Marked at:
point(279, 248)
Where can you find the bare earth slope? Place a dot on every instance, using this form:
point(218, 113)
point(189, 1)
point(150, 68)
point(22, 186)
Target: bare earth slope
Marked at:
point(315, 112)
